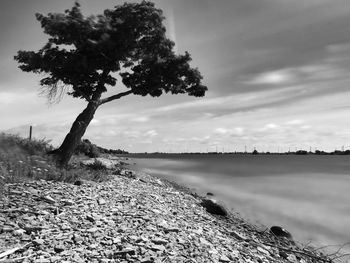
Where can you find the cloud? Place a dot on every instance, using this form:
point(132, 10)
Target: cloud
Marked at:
point(221, 131)
point(270, 126)
point(273, 78)
point(295, 122)
point(151, 133)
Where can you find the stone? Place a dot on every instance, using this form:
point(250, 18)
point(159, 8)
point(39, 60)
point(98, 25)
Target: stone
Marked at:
point(280, 232)
point(238, 235)
point(157, 247)
point(59, 248)
point(146, 260)
point(116, 240)
point(129, 251)
point(224, 259)
point(90, 218)
point(263, 250)
point(204, 241)
point(38, 242)
point(67, 202)
point(6, 229)
point(159, 241)
point(18, 232)
point(92, 230)
point(48, 199)
point(213, 207)
point(78, 182)
point(171, 229)
point(101, 201)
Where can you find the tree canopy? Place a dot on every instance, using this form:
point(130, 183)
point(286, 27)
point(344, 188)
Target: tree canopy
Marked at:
point(82, 53)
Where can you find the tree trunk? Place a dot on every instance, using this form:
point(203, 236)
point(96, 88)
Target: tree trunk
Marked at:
point(73, 138)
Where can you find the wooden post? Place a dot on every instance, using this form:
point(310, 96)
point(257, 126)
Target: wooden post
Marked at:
point(30, 132)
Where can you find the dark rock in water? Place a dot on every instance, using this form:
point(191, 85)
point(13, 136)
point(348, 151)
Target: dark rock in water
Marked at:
point(213, 207)
point(280, 232)
point(78, 182)
point(210, 194)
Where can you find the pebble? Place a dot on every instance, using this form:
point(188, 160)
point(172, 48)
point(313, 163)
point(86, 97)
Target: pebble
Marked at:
point(145, 221)
point(224, 259)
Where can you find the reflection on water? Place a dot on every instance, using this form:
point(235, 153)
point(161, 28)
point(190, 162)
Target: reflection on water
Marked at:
point(308, 195)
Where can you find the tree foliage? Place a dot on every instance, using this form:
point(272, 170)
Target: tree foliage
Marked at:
point(82, 53)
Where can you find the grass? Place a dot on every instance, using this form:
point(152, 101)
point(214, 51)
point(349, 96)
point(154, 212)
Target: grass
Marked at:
point(23, 159)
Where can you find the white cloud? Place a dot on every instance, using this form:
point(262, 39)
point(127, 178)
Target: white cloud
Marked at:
point(221, 131)
point(295, 122)
point(151, 133)
point(237, 131)
point(273, 77)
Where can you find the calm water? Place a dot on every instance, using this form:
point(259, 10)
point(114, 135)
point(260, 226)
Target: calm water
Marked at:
point(308, 195)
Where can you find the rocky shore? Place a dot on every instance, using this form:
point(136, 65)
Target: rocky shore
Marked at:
point(133, 217)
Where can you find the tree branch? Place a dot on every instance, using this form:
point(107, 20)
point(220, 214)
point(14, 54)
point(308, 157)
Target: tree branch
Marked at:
point(115, 97)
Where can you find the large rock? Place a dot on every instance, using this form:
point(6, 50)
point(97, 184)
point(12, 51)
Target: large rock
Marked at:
point(213, 207)
point(280, 232)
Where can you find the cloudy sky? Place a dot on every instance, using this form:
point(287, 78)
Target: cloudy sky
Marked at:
point(278, 74)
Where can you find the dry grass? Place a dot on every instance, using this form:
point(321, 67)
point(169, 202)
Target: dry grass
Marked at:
point(23, 159)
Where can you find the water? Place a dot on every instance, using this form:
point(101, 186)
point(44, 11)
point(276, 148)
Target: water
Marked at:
point(308, 195)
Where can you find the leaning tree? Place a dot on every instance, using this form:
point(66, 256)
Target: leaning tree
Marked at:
point(84, 56)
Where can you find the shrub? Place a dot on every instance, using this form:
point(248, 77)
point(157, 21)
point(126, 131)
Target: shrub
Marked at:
point(87, 148)
point(97, 165)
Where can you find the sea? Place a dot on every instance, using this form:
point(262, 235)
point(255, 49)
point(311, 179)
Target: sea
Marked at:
point(308, 195)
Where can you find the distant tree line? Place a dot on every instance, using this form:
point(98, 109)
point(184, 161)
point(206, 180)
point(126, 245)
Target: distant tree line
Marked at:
point(255, 152)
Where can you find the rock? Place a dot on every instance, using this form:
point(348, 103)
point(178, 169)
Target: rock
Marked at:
point(18, 232)
point(42, 260)
point(92, 230)
point(213, 207)
point(210, 194)
point(292, 258)
point(78, 182)
point(129, 251)
point(224, 259)
point(239, 235)
point(146, 260)
point(116, 240)
point(280, 232)
point(38, 242)
point(90, 218)
point(283, 254)
point(67, 202)
point(171, 229)
point(59, 248)
point(6, 229)
point(48, 199)
point(101, 201)
point(204, 241)
point(159, 241)
point(157, 247)
point(263, 250)
point(31, 229)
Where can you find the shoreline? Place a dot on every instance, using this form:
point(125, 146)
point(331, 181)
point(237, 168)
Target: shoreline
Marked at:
point(134, 217)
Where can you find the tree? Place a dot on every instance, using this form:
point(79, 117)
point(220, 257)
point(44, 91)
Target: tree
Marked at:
point(84, 55)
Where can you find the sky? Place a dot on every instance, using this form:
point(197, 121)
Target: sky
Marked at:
point(277, 73)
